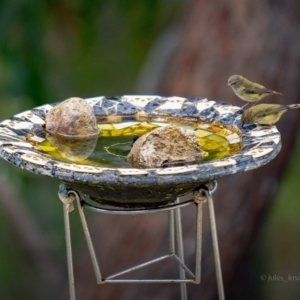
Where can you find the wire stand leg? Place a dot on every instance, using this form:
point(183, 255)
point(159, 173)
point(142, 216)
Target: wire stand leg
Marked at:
point(69, 252)
point(198, 245)
point(171, 232)
point(178, 225)
point(67, 200)
point(215, 246)
point(89, 240)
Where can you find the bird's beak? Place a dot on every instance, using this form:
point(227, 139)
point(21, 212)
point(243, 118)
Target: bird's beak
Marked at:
point(228, 85)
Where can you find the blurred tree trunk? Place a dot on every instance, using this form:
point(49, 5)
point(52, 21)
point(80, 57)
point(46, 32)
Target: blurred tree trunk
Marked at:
point(258, 39)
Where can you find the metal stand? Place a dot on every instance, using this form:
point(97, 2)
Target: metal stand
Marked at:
point(201, 195)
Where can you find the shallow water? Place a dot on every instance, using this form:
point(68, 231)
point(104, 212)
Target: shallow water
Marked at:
point(115, 142)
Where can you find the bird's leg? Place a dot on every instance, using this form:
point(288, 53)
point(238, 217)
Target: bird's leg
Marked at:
point(244, 105)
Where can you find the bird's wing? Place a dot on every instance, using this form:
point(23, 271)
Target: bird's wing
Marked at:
point(270, 111)
point(255, 90)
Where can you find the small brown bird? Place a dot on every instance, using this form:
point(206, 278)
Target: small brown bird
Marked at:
point(248, 90)
point(266, 114)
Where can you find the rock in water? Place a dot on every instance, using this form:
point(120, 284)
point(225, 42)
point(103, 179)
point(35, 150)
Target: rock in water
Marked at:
point(166, 147)
point(72, 128)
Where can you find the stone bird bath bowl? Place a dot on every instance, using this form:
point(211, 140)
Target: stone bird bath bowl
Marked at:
point(130, 187)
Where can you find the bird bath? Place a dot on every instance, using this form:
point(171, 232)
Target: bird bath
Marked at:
point(140, 189)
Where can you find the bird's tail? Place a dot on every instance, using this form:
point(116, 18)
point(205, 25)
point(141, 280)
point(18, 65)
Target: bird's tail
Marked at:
point(291, 106)
point(276, 93)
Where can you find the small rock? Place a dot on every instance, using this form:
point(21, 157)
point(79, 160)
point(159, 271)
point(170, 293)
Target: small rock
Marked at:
point(72, 128)
point(166, 147)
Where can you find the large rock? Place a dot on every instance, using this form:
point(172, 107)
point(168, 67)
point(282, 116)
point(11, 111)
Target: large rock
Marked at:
point(166, 147)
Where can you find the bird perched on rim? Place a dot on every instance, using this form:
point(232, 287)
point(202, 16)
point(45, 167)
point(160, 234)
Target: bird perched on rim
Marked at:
point(266, 114)
point(248, 90)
